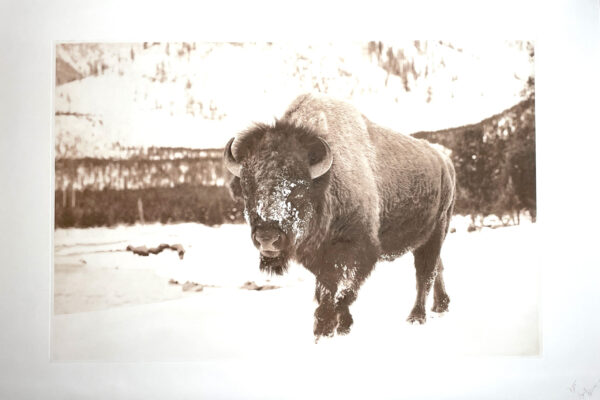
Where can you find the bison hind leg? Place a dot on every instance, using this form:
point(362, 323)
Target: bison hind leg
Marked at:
point(427, 265)
point(440, 297)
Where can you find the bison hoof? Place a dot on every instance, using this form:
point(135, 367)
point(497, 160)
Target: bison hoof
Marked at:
point(440, 306)
point(345, 321)
point(319, 336)
point(413, 319)
point(417, 316)
point(324, 328)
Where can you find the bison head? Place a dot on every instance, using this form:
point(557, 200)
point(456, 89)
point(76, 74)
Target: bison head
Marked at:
point(281, 173)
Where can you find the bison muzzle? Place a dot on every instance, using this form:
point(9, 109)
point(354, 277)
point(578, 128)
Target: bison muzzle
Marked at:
point(328, 188)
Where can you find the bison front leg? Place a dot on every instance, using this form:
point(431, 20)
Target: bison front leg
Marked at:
point(337, 286)
point(342, 306)
point(333, 313)
point(325, 314)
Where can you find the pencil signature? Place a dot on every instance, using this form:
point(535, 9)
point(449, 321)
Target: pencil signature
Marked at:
point(585, 393)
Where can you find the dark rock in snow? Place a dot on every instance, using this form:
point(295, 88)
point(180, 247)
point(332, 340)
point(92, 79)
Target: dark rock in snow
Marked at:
point(253, 286)
point(145, 251)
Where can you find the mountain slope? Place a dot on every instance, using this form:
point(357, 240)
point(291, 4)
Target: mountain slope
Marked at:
point(198, 95)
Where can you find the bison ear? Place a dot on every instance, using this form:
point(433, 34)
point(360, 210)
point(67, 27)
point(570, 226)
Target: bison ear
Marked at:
point(235, 189)
point(230, 162)
point(320, 158)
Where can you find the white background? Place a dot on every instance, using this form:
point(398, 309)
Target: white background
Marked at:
point(567, 58)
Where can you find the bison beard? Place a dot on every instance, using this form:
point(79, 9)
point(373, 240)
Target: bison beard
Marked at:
point(274, 265)
point(346, 193)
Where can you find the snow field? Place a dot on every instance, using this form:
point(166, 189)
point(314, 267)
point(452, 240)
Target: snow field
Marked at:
point(492, 277)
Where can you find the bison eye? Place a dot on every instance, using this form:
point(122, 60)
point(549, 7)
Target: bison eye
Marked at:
point(248, 186)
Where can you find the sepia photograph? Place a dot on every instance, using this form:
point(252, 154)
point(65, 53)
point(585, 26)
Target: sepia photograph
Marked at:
point(240, 199)
point(315, 200)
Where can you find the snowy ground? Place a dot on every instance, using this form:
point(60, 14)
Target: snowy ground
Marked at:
point(110, 304)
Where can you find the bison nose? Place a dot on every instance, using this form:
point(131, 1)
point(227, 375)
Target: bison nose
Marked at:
point(269, 239)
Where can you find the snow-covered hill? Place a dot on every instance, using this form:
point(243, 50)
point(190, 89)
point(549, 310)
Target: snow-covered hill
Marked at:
point(199, 95)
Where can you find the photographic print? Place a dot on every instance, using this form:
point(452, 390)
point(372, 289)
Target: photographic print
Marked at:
point(216, 200)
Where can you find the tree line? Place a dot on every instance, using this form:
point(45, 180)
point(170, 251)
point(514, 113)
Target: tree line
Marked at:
point(208, 205)
point(495, 163)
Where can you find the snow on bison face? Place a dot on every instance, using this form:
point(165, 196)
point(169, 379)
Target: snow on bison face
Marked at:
point(276, 174)
point(278, 209)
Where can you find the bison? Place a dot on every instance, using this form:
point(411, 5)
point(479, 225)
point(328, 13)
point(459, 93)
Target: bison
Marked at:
point(328, 188)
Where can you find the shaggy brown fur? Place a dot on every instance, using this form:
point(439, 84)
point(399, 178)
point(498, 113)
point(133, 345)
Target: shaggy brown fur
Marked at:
point(385, 194)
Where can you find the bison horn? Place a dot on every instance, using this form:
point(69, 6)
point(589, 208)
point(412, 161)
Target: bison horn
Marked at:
point(321, 167)
point(232, 165)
